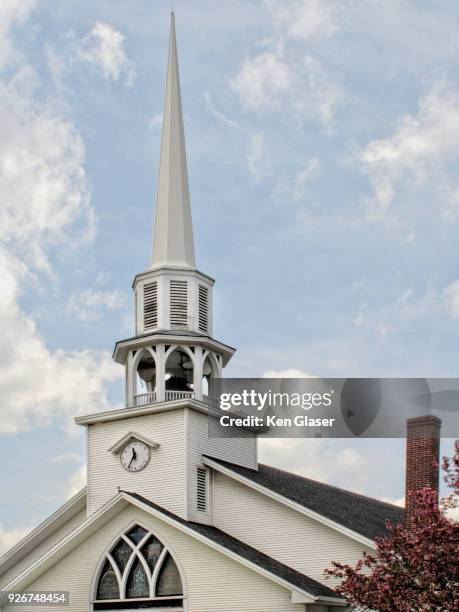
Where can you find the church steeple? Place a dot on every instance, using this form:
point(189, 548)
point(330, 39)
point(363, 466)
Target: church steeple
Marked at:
point(173, 233)
point(173, 355)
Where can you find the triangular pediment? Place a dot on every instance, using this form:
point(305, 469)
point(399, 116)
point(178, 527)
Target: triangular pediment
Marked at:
point(131, 437)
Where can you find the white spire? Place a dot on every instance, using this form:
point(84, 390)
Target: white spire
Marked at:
point(173, 234)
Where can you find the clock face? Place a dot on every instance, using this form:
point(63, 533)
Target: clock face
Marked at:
point(135, 456)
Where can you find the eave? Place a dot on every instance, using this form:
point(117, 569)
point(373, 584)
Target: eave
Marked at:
point(137, 411)
point(122, 347)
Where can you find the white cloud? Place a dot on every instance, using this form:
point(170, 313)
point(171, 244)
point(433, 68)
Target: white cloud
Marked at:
point(75, 483)
point(451, 295)
point(384, 320)
point(257, 157)
point(398, 501)
point(294, 189)
point(263, 81)
point(416, 154)
point(65, 458)
point(288, 373)
point(45, 203)
point(104, 48)
point(12, 12)
point(374, 322)
point(370, 467)
point(210, 106)
point(453, 513)
point(42, 178)
point(88, 305)
point(39, 386)
point(305, 19)
point(10, 537)
point(292, 84)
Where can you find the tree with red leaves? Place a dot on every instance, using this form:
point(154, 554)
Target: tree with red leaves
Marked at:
point(414, 568)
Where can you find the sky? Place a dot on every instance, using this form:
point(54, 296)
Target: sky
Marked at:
point(322, 150)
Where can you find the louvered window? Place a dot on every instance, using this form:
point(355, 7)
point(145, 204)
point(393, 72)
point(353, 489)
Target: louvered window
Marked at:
point(201, 491)
point(150, 305)
point(203, 309)
point(179, 303)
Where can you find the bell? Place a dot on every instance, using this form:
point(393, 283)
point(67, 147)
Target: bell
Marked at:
point(146, 371)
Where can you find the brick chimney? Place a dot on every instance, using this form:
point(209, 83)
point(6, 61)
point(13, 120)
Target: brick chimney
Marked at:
point(422, 458)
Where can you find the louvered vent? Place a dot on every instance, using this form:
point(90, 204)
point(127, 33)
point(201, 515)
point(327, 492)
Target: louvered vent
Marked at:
point(203, 309)
point(150, 305)
point(201, 492)
point(179, 303)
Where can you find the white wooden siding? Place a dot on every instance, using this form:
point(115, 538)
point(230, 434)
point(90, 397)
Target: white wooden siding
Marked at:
point(44, 546)
point(213, 581)
point(279, 531)
point(162, 481)
point(240, 451)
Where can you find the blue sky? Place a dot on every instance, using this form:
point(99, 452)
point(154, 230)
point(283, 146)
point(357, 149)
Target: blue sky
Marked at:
point(322, 149)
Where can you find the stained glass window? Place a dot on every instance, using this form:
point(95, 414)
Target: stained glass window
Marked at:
point(139, 577)
point(137, 534)
point(169, 582)
point(137, 585)
point(121, 554)
point(151, 551)
point(108, 583)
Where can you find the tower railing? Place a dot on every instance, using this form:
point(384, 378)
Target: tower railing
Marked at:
point(145, 399)
point(170, 396)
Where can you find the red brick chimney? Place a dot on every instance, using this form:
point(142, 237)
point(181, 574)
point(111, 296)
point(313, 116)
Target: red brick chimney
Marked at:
point(422, 458)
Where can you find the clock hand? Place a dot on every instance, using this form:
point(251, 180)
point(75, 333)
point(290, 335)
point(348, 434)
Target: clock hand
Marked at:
point(134, 456)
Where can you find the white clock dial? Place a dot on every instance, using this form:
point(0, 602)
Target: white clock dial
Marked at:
point(135, 456)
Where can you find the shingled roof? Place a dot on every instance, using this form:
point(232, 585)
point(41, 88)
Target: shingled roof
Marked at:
point(364, 515)
point(293, 577)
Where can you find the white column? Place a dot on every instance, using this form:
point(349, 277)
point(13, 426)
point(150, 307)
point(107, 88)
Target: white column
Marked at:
point(130, 381)
point(197, 372)
point(160, 373)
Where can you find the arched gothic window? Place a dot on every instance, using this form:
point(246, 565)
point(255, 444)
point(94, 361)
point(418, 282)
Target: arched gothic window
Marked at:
point(138, 567)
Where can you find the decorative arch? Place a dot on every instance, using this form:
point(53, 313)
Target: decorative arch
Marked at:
point(138, 567)
point(174, 347)
point(148, 355)
point(179, 366)
point(139, 354)
point(210, 378)
point(213, 362)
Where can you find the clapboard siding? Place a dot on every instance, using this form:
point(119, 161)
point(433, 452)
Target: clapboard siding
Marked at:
point(162, 481)
point(242, 451)
point(44, 546)
point(213, 581)
point(279, 531)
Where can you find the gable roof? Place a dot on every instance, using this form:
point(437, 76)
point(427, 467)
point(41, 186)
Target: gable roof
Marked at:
point(361, 514)
point(293, 577)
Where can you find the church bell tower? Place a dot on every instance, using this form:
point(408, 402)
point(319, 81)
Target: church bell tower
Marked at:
point(159, 444)
point(173, 354)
